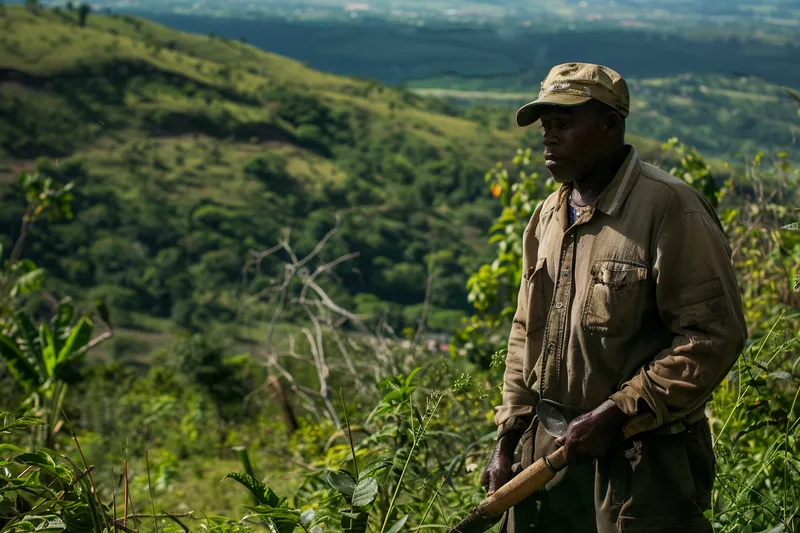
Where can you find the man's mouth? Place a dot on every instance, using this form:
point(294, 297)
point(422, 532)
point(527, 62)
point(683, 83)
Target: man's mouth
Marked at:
point(551, 160)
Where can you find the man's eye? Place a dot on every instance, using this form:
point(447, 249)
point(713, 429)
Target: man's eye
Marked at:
point(555, 125)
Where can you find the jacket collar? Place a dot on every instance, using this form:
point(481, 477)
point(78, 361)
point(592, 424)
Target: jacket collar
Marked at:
point(614, 195)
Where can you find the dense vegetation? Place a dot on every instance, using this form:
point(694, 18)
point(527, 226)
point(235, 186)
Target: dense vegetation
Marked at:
point(158, 376)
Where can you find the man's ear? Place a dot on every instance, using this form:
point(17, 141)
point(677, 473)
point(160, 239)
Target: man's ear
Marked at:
point(614, 124)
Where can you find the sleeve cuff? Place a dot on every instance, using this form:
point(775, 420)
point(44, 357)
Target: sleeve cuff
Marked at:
point(515, 424)
point(629, 401)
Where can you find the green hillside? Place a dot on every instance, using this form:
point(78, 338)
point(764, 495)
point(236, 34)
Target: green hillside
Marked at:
point(188, 151)
point(722, 116)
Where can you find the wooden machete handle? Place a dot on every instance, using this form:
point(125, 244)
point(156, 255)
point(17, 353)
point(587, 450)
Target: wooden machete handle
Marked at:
point(541, 472)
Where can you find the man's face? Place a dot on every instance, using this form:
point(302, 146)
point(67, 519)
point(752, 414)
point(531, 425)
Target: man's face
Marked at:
point(574, 139)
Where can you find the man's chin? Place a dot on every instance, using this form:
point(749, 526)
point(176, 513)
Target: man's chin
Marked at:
point(558, 177)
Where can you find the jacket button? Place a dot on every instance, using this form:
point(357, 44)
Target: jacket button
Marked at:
point(559, 305)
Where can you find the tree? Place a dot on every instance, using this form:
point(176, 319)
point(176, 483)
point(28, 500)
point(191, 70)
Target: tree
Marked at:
point(45, 198)
point(44, 360)
point(70, 6)
point(32, 5)
point(83, 12)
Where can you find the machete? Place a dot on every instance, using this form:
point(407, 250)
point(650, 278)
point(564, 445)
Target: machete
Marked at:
point(537, 475)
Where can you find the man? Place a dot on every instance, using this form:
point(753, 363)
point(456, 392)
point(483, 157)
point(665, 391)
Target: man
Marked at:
point(628, 306)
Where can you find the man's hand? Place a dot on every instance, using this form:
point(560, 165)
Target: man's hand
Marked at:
point(498, 471)
point(592, 434)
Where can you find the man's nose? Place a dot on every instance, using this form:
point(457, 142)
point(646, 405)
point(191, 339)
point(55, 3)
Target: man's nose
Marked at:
point(549, 138)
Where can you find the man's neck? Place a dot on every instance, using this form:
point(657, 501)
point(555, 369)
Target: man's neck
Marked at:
point(588, 188)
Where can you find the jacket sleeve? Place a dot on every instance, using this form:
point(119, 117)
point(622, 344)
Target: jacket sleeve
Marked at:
point(698, 299)
point(519, 401)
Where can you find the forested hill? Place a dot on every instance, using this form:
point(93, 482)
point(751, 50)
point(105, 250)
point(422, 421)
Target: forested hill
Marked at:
point(190, 151)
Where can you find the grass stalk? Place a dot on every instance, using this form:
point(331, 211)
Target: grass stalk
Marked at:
point(349, 432)
point(787, 450)
point(150, 487)
point(433, 499)
point(114, 502)
point(126, 494)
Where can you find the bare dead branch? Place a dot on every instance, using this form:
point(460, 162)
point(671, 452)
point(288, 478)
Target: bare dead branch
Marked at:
point(256, 258)
point(424, 316)
point(320, 245)
point(97, 340)
point(300, 286)
point(346, 356)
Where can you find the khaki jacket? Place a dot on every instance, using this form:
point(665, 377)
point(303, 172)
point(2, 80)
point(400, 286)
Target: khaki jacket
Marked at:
point(637, 302)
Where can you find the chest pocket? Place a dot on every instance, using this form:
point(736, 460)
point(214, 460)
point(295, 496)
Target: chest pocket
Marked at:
point(537, 311)
point(616, 298)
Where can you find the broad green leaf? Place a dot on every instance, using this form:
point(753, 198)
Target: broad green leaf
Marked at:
point(398, 525)
point(316, 529)
point(411, 375)
point(21, 368)
point(343, 481)
point(39, 458)
point(398, 395)
point(48, 345)
point(28, 282)
point(31, 345)
point(307, 518)
point(78, 338)
point(365, 493)
point(9, 450)
point(263, 494)
point(62, 320)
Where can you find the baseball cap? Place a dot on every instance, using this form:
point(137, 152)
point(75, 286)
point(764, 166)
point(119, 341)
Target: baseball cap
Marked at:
point(571, 84)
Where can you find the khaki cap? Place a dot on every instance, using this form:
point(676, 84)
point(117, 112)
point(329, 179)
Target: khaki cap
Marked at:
point(571, 84)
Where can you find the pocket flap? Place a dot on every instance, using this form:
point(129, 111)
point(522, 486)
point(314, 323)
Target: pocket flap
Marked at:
point(616, 273)
point(534, 269)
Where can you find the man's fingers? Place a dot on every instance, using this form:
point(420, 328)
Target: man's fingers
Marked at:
point(492, 484)
point(498, 480)
point(560, 441)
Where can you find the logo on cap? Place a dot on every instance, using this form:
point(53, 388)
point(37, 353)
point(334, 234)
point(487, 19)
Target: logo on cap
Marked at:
point(566, 88)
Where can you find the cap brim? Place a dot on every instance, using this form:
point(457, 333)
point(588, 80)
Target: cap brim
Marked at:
point(529, 113)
